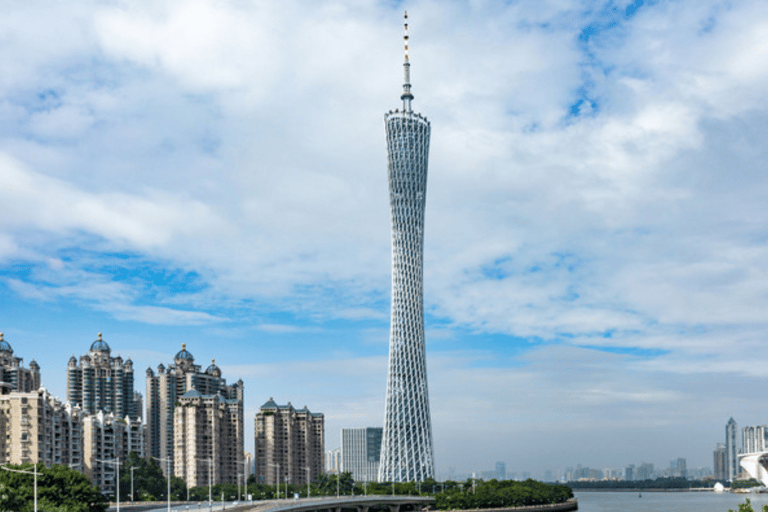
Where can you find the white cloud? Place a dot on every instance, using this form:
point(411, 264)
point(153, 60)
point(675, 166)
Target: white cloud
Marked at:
point(243, 144)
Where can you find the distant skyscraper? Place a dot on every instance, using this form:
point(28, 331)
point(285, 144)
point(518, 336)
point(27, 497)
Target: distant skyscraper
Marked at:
point(13, 376)
point(406, 449)
point(731, 451)
point(101, 382)
point(753, 439)
point(332, 461)
point(719, 462)
point(678, 468)
point(360, 452)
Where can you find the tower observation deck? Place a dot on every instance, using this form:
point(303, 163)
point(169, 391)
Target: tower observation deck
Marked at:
point(406, 447)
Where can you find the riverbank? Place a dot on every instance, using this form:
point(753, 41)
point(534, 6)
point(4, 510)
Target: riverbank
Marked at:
point(567, 506)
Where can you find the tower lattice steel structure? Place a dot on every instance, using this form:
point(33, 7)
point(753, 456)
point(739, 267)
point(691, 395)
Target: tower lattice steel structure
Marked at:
point(406, 447)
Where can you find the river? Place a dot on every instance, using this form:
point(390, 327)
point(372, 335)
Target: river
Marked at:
point(666, 501)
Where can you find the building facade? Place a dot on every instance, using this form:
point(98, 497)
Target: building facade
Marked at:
point(36, 427)
point(165, 389)
point(108, 439)
point(718, 462)
point(333, 461)
point(406, 449)
point(289, 444)
point(360, 452)
point(100, 382)
point(208, 439)
point(731, 451)
point(753, 439)
point(13, 375)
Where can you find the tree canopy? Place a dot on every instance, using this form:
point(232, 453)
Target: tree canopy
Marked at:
point(59, 489)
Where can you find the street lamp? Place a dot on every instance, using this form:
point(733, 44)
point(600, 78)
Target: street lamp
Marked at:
point(132, 468)
point(34, 467)
point(278, 480)
point(168, 471)
point(307, 470)
point(210, 481)
point(245, 480)
point(116, 462)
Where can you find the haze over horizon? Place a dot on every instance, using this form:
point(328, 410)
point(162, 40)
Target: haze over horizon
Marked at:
point(214, 173)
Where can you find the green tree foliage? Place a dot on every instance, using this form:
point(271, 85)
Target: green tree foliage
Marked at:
point(149, 484)
point(59, 489)
point(499, 494)
point(326, 484)
point(659, 483)
point(747, 507)
point(746, 484)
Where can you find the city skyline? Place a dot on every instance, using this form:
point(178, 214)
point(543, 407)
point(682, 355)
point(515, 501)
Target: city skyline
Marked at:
point(213, 174)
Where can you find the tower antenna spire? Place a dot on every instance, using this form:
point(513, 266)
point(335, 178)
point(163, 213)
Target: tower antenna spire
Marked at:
point(406, 96)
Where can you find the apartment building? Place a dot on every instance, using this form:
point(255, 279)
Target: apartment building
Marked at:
point(107, 440)
point(164, 391)
point(208, 439)
point(289, 444)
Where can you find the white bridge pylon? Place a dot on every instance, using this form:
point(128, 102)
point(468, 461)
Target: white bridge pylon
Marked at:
point(756, 464)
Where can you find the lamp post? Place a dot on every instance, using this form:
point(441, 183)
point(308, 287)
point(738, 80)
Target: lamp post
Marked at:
point(34, 472)
point(278, 480)
point(116, 462)
point(210, 481)
point(307, 470)
point(245, 480)
point(132, 468)
point(168, 478)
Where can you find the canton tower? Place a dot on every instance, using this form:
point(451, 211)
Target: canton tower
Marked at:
point(406, 445)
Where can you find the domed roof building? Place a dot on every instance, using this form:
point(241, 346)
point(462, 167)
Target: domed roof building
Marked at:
point(13, 375)
point(101, 382)
point(185, 379)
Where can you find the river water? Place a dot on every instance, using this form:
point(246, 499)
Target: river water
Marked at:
point(665, 501)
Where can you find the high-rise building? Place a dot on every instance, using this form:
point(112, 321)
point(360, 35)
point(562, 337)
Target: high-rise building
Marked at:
point(289, 444)
point(731, 451)
point(499, 473)
point(108, 438)
point(166, 388)
point(753, 439)
point(678, 468)
point(101, 382)
point(333, 461)
point(208, 438)
point(719, 462)
point(644, 472)
point(36, 427)
point(13, 376)
point(406, 449)
point(360, 452)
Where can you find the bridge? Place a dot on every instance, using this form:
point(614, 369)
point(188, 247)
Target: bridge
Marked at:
point(320, 504)
point(756, 464)
point(358, 503)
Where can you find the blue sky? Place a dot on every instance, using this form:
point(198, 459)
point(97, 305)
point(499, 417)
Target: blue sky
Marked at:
point(214, 173)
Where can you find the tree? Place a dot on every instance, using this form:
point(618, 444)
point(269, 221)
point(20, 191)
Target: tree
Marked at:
point(747, 507)
point(326, 484)
point(149, 484)
point(59, 488)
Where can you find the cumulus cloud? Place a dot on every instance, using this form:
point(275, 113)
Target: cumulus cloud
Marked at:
point(596, 187)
